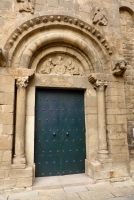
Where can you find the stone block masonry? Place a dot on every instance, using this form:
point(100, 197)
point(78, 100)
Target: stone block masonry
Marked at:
point(79, 44)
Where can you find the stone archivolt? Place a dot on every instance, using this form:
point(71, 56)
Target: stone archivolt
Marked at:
point(60, 65)
point(61, 20)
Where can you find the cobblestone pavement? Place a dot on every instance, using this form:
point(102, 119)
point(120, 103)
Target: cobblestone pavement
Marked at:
point(98, 191)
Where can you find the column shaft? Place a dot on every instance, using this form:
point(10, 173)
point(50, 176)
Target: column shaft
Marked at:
point(101, 121)
point(19, 157)
point(20, 121)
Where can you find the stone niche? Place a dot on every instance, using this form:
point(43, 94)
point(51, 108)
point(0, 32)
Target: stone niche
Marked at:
point(60, 64)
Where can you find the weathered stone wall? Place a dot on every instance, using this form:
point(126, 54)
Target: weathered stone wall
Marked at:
point(119, 34)
point(127, 28)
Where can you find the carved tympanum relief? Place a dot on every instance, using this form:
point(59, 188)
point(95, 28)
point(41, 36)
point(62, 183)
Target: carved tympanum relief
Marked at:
point(120, 67)
point(100, 17)
point(26, 5)
point(60, 64)
point(3, 58)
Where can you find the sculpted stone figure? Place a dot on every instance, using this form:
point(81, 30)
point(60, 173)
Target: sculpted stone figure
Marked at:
point(48, 67)
point(74, 69)
point(27, 5)
point(120, 67)
point(60, 65)
point(100, 17)
point(3, 58)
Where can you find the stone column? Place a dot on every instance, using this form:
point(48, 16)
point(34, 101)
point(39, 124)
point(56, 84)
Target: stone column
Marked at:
point(100, 87)
point(19, 157)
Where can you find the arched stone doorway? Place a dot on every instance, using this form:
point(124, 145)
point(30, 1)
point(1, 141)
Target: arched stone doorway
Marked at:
point(63, 53)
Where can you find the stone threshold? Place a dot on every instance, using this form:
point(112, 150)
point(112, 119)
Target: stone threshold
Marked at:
point(53, 182)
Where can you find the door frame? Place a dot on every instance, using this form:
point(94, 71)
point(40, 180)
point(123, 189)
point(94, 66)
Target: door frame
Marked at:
point(90, 103)
point(56, 93)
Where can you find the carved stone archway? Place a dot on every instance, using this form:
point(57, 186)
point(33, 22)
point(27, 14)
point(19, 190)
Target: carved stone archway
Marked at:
point(37, 45)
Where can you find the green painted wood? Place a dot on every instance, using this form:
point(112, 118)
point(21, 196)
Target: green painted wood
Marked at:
point(59, 132)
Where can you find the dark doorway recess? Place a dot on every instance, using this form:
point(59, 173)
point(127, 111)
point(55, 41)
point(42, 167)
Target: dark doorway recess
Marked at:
point(59, 132)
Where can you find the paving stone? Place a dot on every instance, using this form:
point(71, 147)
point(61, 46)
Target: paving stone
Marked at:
point(51, 191)
point(130, 197)
point(98, 186)
point(3, 197)
point(95, 195)
point(121, 191)
point(124, 183)
point(74, 189)
point(56, 197)
point(23, 195)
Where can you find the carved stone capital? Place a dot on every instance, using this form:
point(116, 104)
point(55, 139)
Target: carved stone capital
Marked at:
point(120, 67)
point(22, 81)
point(100, 85)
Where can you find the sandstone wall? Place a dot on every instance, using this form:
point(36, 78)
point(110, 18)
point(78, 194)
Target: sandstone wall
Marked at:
point(119, 34)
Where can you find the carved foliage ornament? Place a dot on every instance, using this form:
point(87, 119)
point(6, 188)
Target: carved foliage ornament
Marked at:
point(22, 81)
point(60, 65)
point(100, 85)
point(3, 58)
point(100, 17)
point(120, 67)
point(26, 5)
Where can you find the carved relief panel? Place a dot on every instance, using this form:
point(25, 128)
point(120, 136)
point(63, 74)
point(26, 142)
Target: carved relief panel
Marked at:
point(60, 64)
point(26, 5)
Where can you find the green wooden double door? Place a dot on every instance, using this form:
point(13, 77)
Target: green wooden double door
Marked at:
point(59, 132)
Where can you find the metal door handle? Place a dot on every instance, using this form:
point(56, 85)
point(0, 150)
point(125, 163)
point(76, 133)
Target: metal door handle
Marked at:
point(67, 134)
point(54, 134)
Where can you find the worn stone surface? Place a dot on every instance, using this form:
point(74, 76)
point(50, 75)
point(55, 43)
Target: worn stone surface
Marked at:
point(59, 44)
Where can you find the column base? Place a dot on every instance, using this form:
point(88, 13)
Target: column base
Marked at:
point(19, 159)
point(103, 154)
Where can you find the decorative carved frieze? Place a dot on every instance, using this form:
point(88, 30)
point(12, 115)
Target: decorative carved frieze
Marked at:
point(27, 5)
point(100, 17)
point(3, 58)
point(22, 81)
point(120, 67)
point(60, 64)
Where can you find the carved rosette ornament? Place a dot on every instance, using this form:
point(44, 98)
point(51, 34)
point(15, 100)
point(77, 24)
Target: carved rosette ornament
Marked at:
point(22, 82)
point(100, 85)
point(120, 67)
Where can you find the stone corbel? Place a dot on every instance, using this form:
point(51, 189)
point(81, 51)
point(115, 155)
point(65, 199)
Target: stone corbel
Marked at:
point(100, 86)
point(3, 58)
point(120, 67)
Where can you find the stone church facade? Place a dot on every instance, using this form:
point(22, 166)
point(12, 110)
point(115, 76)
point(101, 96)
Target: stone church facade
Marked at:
point(66, 45)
